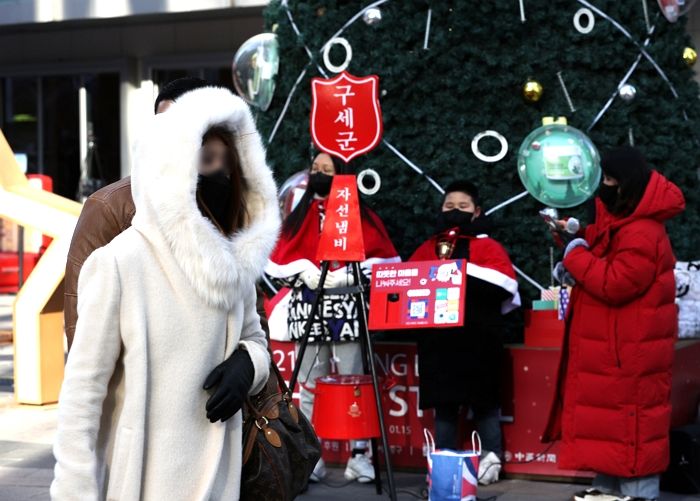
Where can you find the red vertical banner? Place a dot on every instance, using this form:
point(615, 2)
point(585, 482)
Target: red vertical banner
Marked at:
point(341, 237)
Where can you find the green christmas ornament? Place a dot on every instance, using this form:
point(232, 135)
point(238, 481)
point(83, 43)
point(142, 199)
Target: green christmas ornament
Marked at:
point(559, 165)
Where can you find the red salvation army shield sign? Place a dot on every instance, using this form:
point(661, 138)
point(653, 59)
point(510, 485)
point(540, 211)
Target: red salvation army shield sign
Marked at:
point(346, 120)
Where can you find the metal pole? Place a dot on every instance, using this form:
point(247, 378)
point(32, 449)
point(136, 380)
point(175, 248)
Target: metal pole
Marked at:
point(366, 361)
point(375, 381)
point(307, 327)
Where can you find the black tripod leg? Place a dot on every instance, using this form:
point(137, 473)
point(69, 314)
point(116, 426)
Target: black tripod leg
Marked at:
point(366, 361)
point(375, 382)
point(307, 327)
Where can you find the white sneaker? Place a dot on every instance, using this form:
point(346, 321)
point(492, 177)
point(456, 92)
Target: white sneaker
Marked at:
point(593, 494)
point(489, 469)
point(359, 468)
point(319, 472)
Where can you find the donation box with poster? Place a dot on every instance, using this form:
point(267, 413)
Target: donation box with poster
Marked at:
point(418, 294)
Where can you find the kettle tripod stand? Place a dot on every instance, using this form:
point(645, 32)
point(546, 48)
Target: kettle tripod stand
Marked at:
point(358, 291)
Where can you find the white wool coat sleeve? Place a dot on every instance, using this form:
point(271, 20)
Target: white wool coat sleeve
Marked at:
point(253, 340)
point(90, 366)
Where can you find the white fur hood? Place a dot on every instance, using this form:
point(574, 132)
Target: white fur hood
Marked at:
point(164, 183)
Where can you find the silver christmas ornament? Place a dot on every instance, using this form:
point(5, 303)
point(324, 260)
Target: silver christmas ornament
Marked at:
point(372, 16)
point(627, 93)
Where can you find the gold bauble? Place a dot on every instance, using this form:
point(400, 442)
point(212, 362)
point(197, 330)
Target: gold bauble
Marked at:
point(532, 91)
point(690, 56)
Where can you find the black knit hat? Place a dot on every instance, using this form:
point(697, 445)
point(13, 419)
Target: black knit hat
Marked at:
point(464, 186)
point(629, 168)
point(176, 88)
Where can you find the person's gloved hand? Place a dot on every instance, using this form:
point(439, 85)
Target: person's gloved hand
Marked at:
point(562, 275)
point(311, 278)
point(233, 379)
point(339, 278)
point(575, 243)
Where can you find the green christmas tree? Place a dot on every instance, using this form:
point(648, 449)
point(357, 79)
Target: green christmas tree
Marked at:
point(452, 69)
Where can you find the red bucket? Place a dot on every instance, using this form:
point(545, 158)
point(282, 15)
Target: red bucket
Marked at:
point(345, 408)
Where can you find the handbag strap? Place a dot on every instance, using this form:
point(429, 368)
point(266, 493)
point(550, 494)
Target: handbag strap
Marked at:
point(281, 384)
point(280, 380)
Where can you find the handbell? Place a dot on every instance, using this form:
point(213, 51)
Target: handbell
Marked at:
point(444, 249)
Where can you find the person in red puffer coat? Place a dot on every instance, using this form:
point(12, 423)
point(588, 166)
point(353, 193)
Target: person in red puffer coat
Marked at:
point(612, 406)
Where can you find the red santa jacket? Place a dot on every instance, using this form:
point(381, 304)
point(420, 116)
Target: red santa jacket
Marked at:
point(488, 261)
point(295, 254)
point(612, 406)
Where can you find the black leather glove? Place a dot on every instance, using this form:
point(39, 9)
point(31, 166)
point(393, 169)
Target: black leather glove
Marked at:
point(234, 377)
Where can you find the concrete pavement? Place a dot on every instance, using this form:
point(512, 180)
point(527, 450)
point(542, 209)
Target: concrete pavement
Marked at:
point(26, 460)
point(26, 433)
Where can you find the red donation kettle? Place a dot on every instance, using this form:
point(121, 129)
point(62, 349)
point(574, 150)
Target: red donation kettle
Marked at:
point(345, 408)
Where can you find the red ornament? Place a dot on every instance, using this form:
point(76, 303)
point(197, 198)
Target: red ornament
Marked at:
point(673, 9)
point(346, 119)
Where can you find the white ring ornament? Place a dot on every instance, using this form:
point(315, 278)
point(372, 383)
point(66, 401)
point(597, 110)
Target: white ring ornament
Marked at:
point(377, 182)
point(348, 55)
point(489, 158)
point(583, 11)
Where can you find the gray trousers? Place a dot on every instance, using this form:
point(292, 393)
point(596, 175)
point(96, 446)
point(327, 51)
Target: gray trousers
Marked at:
point(641, 487)
point(317, 363)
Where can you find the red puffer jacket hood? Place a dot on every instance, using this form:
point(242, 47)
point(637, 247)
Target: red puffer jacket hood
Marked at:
point(662, 201)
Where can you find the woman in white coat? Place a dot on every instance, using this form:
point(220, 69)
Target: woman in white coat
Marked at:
point(161, 306)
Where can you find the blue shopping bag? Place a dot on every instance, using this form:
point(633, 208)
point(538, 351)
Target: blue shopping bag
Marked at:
point(452, 475)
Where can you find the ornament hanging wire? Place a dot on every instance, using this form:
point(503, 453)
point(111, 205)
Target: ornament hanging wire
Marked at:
point(427, 29)
point(566, 92)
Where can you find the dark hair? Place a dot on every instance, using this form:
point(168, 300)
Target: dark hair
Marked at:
point(629, 168)
point(292, 223)
point(176, 88)
point(236, 216)
point(464, 186)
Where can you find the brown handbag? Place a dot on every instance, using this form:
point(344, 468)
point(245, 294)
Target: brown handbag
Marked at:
point(280, 447)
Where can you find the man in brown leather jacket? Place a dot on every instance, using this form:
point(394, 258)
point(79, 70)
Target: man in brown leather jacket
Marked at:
point(108, 212)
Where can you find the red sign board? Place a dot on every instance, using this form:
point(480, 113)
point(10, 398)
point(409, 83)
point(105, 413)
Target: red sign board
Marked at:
point(527, 393)
point(346, 120)
point(341, 237)
point(417, 295)
point(529, 375)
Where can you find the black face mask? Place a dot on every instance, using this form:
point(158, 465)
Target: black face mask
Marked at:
point(454, 218)
point(320, 183)
point(215, 191)
point(608, 195)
